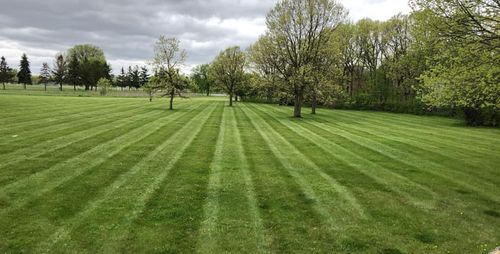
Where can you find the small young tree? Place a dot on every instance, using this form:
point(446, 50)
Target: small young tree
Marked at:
point(228, 70)
point(5, 72)
point(60, 71)
point(45, 76)
point(24, 74)
point(168, 58)
point(104, 85)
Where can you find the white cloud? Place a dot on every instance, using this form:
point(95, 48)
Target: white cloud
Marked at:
point(375, 9)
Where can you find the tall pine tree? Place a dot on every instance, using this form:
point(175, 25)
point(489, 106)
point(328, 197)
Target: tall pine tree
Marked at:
point(24, 74)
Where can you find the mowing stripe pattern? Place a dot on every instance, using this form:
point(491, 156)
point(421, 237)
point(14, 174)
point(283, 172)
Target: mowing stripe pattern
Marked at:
point(107, 175)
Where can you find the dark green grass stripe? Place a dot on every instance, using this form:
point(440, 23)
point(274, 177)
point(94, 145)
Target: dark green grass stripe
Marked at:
point(442, 133)
point(428, 123)
point(139, 182)
point(18, 108)
point(474, 164)
point(480, 166)
point(172, 215)
point(306, 173)
point(261, 236)
point(414, 192)
point(458, 178)
point(207, 241)
point(53, 209)
point(46, 119)
point(52, 177)
point(288, 215)
point(51, 123)
point(45, 133)
point(415, 148)
point(67, 134)
point(75, 145)
point(231, 219)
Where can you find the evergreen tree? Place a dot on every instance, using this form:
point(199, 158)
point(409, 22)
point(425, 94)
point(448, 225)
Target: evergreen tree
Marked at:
point(143, 76)
point(5, 72)
point(44, 75)
point(24, 74)
point(73, 70)
point(121, 79)
point(130, 78)
point(135, 78)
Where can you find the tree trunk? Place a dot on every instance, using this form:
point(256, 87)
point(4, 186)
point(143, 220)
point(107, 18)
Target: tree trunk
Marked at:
point(230, 100)
point(172, 93)
point(24, 85)
point(314, 104)
point(208, 91)
point(299, 97)
point(3, 86)
point(86, 87)
point(60, 87)
point(74, 87)
point(236, 98)
point(45, 86)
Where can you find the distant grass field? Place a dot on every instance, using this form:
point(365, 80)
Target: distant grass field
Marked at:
point(89, 175)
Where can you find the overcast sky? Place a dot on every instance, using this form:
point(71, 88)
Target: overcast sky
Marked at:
point(127, 29)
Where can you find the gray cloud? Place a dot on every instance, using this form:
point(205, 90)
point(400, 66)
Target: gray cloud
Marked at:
point(127, 29)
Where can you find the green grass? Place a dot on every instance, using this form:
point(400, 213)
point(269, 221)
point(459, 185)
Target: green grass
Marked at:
point(109, 175)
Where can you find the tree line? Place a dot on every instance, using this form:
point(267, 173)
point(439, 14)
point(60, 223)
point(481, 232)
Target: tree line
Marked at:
point(443, 57)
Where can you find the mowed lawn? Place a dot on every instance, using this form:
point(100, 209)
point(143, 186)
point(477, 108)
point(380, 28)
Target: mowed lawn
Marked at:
point(125, 175)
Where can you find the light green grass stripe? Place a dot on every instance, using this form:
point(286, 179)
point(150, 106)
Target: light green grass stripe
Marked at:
point(262, 243)
point(185, 135)
point(470, 162)
point(430, 167)
point(399, 136)
point(48, 179)
point(40, 127)
point(380, 174)
point(439, 134)
point(45, 120)
point(207, 239)
point(38, 104)
point(423, 123)
point(67, 140)
point(303, 164)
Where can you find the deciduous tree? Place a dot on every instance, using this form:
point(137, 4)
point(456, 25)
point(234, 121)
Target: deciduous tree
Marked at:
point(228, 70)
point(168, 58)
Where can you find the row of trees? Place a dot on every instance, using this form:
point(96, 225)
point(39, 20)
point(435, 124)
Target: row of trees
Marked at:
point(442, 56)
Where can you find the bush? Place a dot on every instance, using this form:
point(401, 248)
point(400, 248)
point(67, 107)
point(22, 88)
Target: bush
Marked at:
point(104, 85)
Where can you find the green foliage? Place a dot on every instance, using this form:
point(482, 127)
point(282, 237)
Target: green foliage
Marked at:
point(24, 74)
point(60, 71)
point(6, 73)
point(228, 71)
point(87, 65)
point(200, 77)
point(45, 74)
point(465, 73)
point(167, 60)
point(104, 85)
